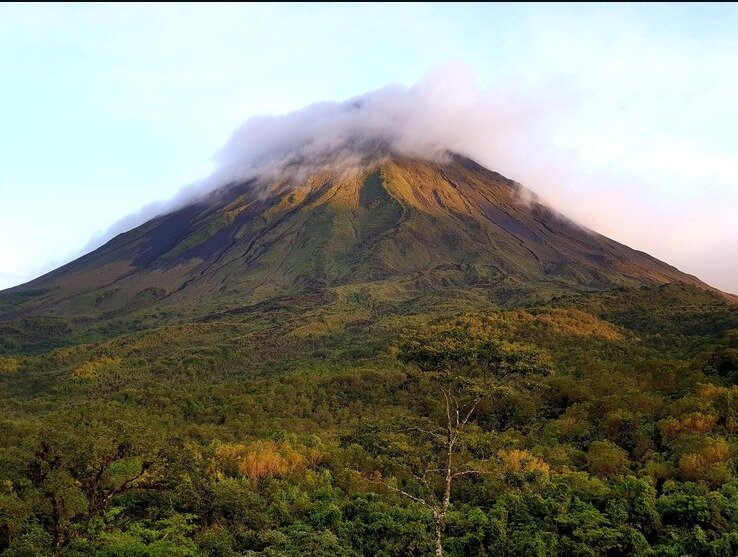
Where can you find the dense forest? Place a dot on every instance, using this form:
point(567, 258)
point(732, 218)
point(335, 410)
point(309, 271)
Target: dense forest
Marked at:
point(591, 424)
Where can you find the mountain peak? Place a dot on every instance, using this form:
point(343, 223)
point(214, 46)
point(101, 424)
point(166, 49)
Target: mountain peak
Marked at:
point(390, 226)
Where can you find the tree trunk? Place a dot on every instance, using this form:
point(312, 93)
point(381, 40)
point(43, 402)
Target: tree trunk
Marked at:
point(440, 515)
point(439, 534)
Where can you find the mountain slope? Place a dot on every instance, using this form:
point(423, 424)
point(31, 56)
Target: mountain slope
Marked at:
point(224, 380)
point(396, 227)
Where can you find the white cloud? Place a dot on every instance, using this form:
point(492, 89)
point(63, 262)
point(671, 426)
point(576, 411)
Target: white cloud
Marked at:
point(614, 187)
point(505, 126)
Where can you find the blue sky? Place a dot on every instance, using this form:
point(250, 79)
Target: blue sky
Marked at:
point(105, 108)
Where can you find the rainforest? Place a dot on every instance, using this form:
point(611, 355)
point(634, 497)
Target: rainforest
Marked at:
point(404, 361)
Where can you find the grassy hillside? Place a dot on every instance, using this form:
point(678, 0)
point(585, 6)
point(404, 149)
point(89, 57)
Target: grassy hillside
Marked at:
point(284, 429)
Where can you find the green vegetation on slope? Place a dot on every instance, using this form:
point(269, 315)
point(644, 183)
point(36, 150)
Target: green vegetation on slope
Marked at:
point(399, 359)
point(402, 228)
point(292, 427)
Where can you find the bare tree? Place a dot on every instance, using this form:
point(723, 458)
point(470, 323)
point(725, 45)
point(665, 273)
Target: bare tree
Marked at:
point(464, 367)
point(457, 418)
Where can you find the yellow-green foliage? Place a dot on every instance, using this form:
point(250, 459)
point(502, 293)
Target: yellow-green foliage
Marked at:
point(68, 354)
point(8, 365)
point(724, 401)
point(543, 326)
point(573, 424)
point(657, 469)
point(91, 368)
point(175, 336)
point(694, 422)
point(710, 391)
point(580, 323)
point(263, 458)
point(326, 323)
point(518, 461)
point(606, 459)
point(708, 461)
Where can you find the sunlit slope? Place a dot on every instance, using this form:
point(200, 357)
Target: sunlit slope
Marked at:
point(391, 229)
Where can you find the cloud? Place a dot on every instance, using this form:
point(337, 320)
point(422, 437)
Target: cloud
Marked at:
point(513, 129)
point(505, 127)
point(445, 111)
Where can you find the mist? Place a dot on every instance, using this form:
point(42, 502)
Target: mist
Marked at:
point(510, 127)
point(445, 111)
point(505, 127)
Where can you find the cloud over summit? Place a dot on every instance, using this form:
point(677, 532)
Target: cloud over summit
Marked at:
point(445, 111)
point(510, 128)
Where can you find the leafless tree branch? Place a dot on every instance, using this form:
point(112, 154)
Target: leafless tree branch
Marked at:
point(400, 492)
point(468, 472)
point(469, 413)
point(433, 434)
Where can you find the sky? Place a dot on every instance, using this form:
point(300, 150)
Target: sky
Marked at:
point(622, 116)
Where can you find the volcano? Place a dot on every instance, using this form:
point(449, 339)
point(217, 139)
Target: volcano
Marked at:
point(233, 367)
point(395, 228)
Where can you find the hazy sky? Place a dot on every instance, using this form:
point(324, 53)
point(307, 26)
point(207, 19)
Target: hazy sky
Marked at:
point(623, 116)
